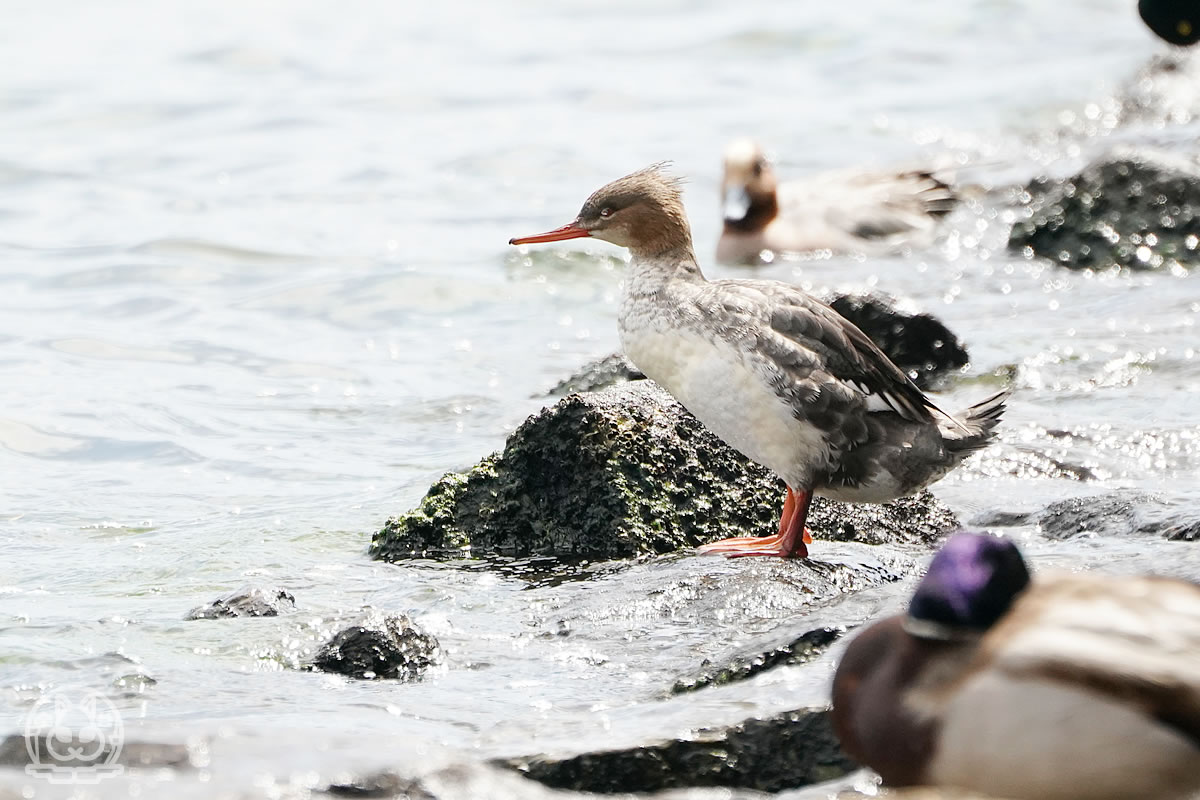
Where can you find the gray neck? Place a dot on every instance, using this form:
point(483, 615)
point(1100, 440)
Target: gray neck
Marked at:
point(673, 264)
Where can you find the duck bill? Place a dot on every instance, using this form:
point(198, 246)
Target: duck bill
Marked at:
point(569, 231)
point(735, 203)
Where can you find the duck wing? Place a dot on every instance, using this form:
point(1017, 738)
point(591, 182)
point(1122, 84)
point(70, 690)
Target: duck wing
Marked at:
point(1136, 640)
point(872, 206)
point(799, 335)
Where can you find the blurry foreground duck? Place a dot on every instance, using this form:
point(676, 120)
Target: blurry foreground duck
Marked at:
point(850, 211)
point(1174, 21)
point(1072, 686)
point(779, 376)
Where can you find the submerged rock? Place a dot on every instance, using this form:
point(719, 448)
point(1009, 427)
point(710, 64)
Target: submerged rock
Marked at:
point(462, 782)
point(474, 781)
point(1188, 531)
point(1134, 209)
point(486, 782)
point(918, 343)
point(47, 749)
point(392, 647)
point(801, 650)
point(1117, 513)
point(1102, 515)
point(253, 601)
point(620, 473)
point(786, 751)
point(1030, 462)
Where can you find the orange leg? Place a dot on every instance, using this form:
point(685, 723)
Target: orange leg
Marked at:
point(788, 543)
point(789, 511)
point(789, 508)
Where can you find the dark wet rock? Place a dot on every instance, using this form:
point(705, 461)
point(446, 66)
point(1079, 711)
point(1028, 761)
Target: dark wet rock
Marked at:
point(606, 371)
point(774, 601)
point(15, 751)
point(485, 782)
point(248, 602)
point(464, 782)
point(1102, 515)
point(1029, 462)
point(620, 473)
point(1003, 519)
point(477, 781)
point(1183, 531)
point(917, 343)
point(133, 684)
point(392, 648)
point(800, 650)
point(1032, 463)
point(1134, 209)
point(786, 751)
point(1118, 513)
point(920, 519)
point(381, 785)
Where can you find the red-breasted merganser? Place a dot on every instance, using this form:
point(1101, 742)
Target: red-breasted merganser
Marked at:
point(844, 211)
point(777, 375)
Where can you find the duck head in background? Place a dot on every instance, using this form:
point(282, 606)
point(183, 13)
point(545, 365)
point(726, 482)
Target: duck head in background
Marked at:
point(848, 211)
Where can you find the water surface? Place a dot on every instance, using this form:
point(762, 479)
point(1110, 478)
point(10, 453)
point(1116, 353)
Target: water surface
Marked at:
point(255, 296)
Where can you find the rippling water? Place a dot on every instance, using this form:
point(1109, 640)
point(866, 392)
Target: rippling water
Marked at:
point(255, 295)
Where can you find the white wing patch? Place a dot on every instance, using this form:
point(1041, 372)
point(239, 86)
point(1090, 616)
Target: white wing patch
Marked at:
point(888, 401)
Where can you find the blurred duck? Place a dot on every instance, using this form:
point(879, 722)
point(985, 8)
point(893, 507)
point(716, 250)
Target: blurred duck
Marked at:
point(1174, 21)
point(1073, 686)
point(841, 211)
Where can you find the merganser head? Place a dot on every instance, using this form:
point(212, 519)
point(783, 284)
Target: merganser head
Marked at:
point(970, 585)
point(748, 189)
point(642, 211)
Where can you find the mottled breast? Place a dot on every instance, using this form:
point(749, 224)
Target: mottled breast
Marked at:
point(732, 395)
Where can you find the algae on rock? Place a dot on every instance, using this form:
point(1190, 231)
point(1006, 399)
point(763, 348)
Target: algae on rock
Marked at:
point(619, 473)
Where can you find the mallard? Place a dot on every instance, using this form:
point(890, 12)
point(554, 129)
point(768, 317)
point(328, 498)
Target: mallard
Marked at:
point(1068, 686)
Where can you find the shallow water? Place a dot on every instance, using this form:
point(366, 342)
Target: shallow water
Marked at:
point(255, 295)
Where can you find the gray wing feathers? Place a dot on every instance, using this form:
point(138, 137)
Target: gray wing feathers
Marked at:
point(847, 353)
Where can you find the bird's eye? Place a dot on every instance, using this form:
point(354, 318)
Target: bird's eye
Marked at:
point(758, 168)
point(606, 212)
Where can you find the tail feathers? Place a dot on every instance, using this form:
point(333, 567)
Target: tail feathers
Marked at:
point(937, 197)
point(976, 426)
